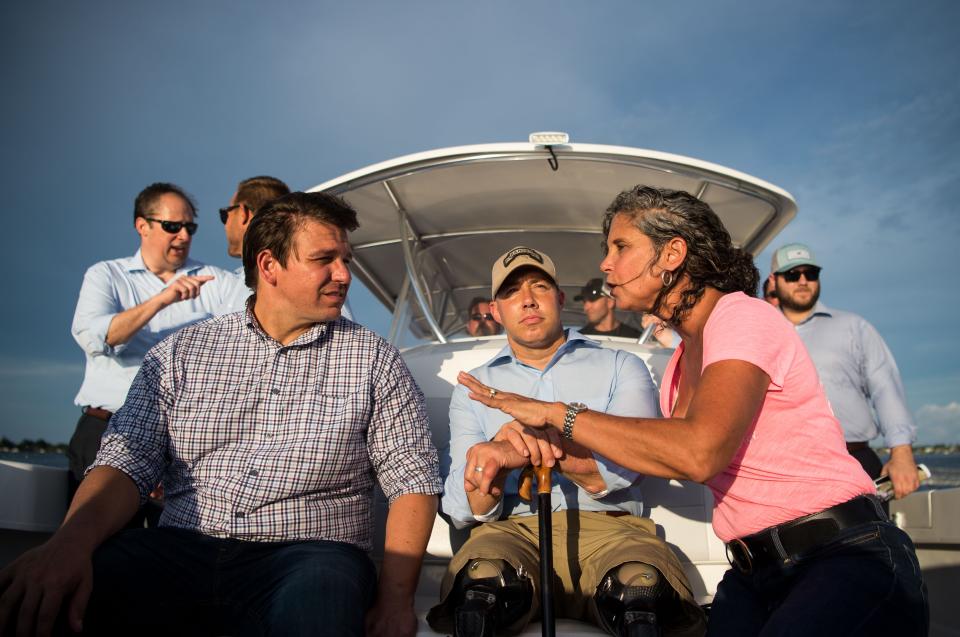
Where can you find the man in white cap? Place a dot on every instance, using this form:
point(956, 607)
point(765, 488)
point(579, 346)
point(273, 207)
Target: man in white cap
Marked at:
point(611, 568)
point(856, 368)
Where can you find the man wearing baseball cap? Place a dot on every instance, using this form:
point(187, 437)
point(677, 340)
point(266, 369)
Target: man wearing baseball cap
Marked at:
point(599, 308)
point(611, 568)
point(855, 365)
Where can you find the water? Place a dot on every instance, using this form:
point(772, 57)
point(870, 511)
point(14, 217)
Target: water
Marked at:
point(945, 470)
point(45, 459)
point(945, 467)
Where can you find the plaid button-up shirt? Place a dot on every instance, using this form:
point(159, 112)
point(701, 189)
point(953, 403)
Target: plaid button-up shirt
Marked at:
point(260, 441)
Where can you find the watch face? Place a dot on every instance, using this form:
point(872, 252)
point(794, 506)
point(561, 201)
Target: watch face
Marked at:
point(578, 406)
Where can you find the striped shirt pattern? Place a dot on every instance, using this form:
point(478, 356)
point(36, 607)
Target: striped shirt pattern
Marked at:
point(258, 441)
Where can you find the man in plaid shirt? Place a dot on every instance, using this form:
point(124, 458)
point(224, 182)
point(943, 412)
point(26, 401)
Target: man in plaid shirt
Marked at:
point(268, 428)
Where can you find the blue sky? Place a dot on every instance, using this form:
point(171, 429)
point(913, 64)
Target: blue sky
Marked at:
point(852, 107)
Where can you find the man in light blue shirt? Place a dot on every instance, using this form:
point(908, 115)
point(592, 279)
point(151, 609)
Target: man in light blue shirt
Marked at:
point(608, 559)
point(128, 305)
point(856, 368)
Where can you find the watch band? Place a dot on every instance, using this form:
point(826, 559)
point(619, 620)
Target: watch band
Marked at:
point(572, 410)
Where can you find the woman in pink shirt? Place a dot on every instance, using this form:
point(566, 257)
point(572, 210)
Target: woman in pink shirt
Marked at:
point(811, 548)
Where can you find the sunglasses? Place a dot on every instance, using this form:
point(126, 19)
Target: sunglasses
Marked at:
point(225, 212)
point(792, 276)
point(481, 317)
point(173, 227)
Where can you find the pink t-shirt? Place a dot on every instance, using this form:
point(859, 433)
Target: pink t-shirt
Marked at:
point(793, 460)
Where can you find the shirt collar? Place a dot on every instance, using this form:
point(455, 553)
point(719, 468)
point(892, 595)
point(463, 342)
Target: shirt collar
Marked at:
point(574, 340)
point(315, 333)
point(819, 309)
point(136, 264)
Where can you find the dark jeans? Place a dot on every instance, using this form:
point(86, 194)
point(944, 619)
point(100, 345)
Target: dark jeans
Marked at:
point(864, 582)
point(870, 461)
point(872, 464)
point(175, 582)
point(83, 448)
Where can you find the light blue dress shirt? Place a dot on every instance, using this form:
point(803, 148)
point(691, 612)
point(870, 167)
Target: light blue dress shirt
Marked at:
point(611, 381)
point(859, 376)
point(111, 287)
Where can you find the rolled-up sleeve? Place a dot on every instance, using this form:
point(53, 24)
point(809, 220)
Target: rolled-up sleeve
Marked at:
point(137, 438)
point(885, 389)
point(97, 305)
point(635, 396)
point(398, 440)
point(466, 430)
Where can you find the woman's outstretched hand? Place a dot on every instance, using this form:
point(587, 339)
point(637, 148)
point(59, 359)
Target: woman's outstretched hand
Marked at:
point(527, 411)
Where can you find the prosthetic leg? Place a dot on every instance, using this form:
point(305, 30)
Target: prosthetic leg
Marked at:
point(629, 598)
point(492, 595)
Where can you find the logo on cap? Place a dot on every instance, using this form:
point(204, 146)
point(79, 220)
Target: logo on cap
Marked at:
point(521, 252)
point(797, 253)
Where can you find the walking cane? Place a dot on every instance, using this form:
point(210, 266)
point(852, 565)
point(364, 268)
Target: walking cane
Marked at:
point(544, 511)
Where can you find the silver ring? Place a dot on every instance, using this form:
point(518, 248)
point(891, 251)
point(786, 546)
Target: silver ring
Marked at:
point(493, 393)
point(478, 469)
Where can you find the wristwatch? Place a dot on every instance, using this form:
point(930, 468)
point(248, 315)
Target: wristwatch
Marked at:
point(572, 410)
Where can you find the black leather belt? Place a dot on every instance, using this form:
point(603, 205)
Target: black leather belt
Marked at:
point(779, 544)
point(857, 446)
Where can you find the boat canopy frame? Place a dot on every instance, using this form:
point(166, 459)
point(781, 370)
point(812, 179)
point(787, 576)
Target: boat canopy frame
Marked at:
point(429, 232)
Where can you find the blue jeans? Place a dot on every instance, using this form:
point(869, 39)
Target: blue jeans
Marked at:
point(866, 581)
point(175, 582)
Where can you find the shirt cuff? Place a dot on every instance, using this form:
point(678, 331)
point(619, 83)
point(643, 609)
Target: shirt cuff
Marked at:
point(491, 515)
point(598, 495)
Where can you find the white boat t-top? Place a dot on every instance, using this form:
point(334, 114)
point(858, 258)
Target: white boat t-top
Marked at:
point(432, 223)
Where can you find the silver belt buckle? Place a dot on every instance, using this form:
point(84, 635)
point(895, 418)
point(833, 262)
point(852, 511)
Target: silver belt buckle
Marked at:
point(739, 556)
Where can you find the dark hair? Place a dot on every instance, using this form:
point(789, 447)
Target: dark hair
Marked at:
point(477, 300)
point(257, 191)
point(712, 259)
point(147, 199)
point(275, 225)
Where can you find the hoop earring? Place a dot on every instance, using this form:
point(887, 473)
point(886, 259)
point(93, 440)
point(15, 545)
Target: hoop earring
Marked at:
point(666, 277)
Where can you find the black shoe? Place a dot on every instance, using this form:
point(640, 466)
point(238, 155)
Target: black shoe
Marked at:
point(475, 617)
point(638, 623)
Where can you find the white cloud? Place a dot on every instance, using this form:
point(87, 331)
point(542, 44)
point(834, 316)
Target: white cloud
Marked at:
point(938, 423)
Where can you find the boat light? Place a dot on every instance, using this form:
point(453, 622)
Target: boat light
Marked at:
point(549, 138)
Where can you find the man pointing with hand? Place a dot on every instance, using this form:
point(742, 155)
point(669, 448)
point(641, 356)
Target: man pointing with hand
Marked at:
point(128, 305)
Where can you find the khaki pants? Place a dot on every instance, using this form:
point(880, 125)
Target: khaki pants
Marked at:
point(586, 546)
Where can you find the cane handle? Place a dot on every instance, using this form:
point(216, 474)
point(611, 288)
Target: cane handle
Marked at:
point(543, 478)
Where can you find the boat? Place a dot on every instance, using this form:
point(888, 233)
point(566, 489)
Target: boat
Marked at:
point(431, 223)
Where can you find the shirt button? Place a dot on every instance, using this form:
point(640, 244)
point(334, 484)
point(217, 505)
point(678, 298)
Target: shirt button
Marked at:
point(275, 391)
point(240, 515)
point(254, 473)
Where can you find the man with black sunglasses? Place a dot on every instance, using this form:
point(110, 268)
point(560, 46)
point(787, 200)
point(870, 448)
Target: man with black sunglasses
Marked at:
point(479, 320)
point(128, 305)
point(856, 368)
point(249, 197)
